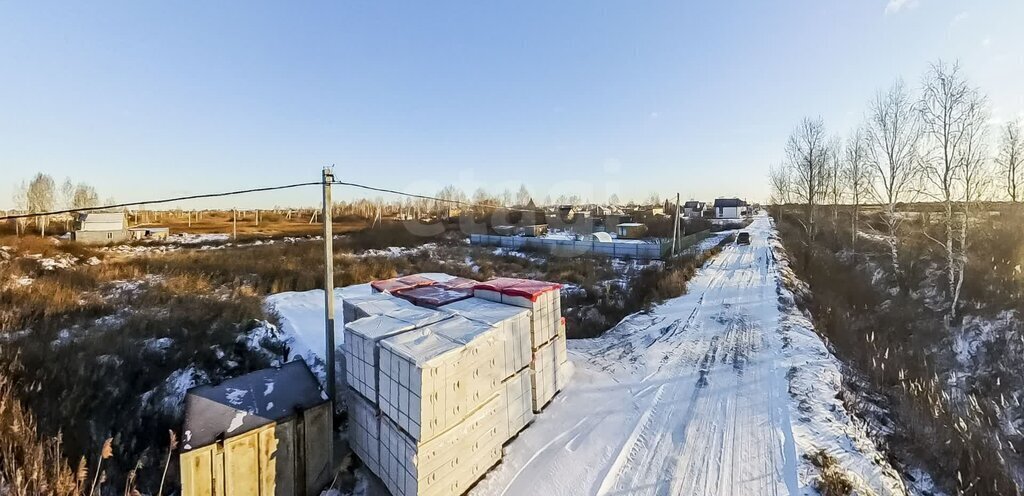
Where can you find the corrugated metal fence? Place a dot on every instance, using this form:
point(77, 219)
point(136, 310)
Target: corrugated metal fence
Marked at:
point(567, 247)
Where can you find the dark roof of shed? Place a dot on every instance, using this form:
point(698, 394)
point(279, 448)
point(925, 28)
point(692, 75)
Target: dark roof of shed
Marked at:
point(730, 202)
point(247, 402)
point(693, 204)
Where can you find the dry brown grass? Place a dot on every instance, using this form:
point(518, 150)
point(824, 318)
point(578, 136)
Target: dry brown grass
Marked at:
point(30, 464)
point(832, 480)
point(903, 350)
point(271, 225)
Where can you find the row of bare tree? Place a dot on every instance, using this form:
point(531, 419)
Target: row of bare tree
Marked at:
point(933, 145)
point(41, 194)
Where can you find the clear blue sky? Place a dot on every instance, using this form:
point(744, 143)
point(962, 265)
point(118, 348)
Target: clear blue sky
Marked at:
point(148, 99)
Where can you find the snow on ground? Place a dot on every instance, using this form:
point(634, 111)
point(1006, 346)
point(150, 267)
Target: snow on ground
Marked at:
point(721, 391)
point(301, 314)
point(820, 420)
point(195, 239)
point(873, 236)
point(694, 398)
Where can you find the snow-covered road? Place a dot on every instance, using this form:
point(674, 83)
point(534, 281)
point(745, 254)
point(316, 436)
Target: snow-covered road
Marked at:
point(692, 398)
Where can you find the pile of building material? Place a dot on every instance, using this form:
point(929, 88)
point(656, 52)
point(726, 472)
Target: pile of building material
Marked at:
point(547, 330)
point(437, 391)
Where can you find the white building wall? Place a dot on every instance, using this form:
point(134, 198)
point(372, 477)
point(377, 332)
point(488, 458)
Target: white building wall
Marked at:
point(728, 212)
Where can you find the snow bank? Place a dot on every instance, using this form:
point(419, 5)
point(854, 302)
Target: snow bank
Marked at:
point(819, 419)
point(301, 314)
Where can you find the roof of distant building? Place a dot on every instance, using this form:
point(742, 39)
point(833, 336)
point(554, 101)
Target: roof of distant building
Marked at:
point(730, 202)
point(101, 217)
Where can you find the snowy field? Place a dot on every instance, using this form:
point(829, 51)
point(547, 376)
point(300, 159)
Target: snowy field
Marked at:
point(721, 391)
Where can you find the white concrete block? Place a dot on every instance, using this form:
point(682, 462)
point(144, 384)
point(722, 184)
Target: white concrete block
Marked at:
point(518, 402)
point(431, 378)
point(561, 342)
point(449, 463)
point(364, 431)
point(512, 324)
point(361, 353)
point(543, 375)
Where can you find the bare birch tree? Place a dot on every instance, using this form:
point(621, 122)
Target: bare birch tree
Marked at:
point(84, 196)
point(20, 199)
point(807, 153)
point(41, 196)
point(835, 186)
point(945, 101)
point(781, 185)
point(893, 132)
point(975, 181)
point(1010, 160)
point(858, 176)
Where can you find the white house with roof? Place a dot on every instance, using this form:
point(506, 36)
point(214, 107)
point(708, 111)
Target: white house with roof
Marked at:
point(694, 208)
point(729, 208)
point(100, 227)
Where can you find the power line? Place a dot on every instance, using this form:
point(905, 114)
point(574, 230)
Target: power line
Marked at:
point(269, 188)
point(434, 198)
point(152, 202)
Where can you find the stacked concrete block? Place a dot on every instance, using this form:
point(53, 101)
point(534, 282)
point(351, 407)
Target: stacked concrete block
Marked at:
point(432, 377)
point(448, 463)
point(561, 357)
point(356, 307)
point(547, 332)
point(513, 323)
point(437, 393)
point(542, 298)
point(544, 370)
point(518, 395)
point(364, 431)
point(360, 348)
point(561, 348)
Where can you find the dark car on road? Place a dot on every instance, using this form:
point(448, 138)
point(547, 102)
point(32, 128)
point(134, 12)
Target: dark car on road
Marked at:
point(743, 238)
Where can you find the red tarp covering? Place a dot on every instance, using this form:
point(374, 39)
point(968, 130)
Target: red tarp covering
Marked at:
point(400, 283)
point(458, 283)
point(526, 288)
point(433, 296)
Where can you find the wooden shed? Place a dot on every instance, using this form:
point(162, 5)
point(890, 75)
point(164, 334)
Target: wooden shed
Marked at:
point(266, 433)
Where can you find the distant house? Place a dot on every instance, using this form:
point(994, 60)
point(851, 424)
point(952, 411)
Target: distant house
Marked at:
point(571, 213)
point(100, 228)
point(694, 208)
point(631, 230)
point(730, 208)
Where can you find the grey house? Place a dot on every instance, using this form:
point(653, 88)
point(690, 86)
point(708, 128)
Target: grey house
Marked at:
point(100, 228)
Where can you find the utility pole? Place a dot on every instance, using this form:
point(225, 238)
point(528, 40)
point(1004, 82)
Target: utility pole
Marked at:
point(328, 178)
point(675, 227)
point(234, 223)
